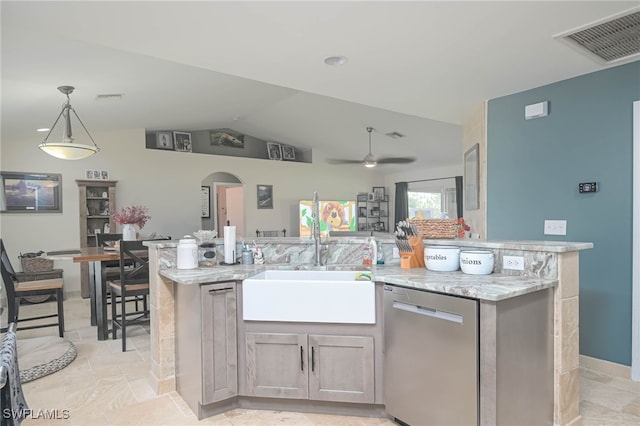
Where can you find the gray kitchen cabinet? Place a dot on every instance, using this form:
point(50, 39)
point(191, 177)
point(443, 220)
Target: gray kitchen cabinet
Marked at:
point(206, 344)
point(219, 342)
point(277, 365)
point(342, 368)
point(316, 367)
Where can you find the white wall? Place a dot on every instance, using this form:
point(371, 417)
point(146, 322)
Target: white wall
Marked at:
point(168, 183)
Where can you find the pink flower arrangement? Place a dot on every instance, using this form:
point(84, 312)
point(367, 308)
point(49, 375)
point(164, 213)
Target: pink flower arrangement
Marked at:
point(136, 215)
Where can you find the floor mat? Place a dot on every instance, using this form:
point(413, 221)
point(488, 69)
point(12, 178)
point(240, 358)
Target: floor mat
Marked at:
point(41, 356)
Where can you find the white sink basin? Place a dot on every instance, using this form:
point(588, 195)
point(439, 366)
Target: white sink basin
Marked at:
point(309, 296)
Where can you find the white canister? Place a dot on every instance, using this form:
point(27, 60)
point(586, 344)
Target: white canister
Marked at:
point(476, 262)
point(187, 253)
point(442, 258)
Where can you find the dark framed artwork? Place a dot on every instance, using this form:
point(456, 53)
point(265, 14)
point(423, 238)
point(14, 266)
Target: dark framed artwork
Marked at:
point(31, 192)
point(182, 141)
point(378, 193)
point(164, 140)
point(274, 150)
point(265, 196)
point(471, 179)
point(288, 152)
point(206, 201)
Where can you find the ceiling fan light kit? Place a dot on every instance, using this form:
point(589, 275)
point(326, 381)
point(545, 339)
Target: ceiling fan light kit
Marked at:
point(67, 149)
point(370, 160)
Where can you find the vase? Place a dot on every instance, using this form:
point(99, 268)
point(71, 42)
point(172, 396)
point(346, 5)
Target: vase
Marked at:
point(129, 232)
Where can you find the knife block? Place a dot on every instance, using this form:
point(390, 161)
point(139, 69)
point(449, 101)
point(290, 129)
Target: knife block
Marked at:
point(415, 258)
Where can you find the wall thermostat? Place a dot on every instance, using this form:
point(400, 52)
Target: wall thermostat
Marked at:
point(587, 187)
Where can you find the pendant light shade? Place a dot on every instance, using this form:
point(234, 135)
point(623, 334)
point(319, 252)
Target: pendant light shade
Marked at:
point(66, 148)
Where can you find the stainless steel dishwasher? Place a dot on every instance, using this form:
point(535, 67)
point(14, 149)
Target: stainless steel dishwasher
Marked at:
point(431, 357)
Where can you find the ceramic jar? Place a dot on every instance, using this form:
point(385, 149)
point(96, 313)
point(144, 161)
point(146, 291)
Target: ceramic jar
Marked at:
point(187, 253)
point(442, 258)
point(476, 262)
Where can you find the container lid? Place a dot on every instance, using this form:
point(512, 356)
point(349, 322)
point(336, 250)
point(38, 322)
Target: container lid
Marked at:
point(187, 240)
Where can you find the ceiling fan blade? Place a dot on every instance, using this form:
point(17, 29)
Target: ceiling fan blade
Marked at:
point(396, 160)
point(342, 161)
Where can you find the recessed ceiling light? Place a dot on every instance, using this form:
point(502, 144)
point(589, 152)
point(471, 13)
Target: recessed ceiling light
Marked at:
point(43, 129)
point(335, 60)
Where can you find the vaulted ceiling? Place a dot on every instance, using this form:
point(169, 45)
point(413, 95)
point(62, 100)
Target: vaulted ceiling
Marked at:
point(417, 67)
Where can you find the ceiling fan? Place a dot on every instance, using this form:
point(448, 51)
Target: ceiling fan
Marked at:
point(370, 160)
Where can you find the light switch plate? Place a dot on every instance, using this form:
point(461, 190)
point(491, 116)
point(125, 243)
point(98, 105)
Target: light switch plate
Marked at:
point(555, 227)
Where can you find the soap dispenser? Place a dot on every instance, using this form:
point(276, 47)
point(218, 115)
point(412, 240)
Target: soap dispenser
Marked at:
point(373, 250)
point(380, 258)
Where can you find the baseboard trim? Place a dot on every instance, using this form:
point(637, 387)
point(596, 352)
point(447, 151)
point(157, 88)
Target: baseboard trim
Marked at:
point(606, 367)
point(72, 294)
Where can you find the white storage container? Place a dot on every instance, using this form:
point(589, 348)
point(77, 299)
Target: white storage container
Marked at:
point(476, 262)
point(442, 258)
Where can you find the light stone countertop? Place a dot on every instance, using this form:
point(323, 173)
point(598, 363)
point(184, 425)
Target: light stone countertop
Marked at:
point(493, 287)
point(531, 245)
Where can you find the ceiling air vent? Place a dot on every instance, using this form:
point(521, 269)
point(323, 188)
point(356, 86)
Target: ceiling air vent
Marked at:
point(109, 96)
point(610, 40)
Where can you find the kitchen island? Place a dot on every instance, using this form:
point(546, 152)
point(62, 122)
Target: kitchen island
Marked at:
point(548, 265)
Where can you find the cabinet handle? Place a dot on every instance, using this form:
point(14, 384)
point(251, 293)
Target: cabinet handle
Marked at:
point(313, 359)
point(301, 358)
point(213, 290)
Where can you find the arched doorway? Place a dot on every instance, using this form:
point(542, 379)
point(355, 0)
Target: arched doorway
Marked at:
point(227, 202)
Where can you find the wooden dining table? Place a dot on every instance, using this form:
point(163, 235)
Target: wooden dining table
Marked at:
point(94, 257)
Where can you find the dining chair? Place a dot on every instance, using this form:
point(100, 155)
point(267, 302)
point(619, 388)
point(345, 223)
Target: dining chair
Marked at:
point(133, 281)
point(17, 290)
point(111, 268)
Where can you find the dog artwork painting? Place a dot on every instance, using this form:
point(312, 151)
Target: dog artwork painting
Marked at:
point(335, 216)
point(227, 137)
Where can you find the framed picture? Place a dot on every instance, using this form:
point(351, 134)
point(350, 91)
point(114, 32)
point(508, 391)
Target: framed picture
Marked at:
point(227, 137)
point(164, 140)
point(378, 193)
point(274, 150)
point(88, 174)
point(31, 192)
point(265, 196)
point(104, 175)
point(471, 179)
point(206, 206)
point(288, 152)
point(182, 141)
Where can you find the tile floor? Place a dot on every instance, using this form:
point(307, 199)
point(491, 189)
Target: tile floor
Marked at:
point(105, 386)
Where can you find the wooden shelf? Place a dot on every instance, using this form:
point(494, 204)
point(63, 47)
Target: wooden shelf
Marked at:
point(90, 203)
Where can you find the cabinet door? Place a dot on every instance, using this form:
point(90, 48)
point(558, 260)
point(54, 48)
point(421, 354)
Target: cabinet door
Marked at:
point(341, 368)
point(277, 365)
point(219, 342)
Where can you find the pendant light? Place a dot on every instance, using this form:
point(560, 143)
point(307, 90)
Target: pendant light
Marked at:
point(67, 149)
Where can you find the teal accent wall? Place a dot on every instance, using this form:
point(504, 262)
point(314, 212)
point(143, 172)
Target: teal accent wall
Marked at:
point(533, 171)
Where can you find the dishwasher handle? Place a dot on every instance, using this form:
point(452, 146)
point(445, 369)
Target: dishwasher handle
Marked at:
point(429, 312)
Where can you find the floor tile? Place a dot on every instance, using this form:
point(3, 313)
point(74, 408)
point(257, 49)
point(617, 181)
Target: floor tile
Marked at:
point(105, 386)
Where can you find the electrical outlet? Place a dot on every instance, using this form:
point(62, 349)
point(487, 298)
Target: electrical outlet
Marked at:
point(555, 227)
point(515, 263)
point(395, 253)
